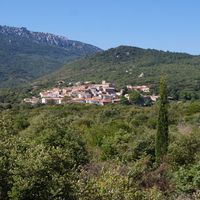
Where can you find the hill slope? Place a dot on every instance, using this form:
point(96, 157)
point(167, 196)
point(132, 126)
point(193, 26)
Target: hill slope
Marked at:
point(26, 55)
point(124, 64)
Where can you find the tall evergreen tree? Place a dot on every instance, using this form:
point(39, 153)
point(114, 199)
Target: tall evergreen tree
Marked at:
point(162, 129)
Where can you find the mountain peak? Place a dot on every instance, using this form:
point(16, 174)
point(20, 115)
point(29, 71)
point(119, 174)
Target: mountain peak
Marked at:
point(26, 55)
point(45, 38)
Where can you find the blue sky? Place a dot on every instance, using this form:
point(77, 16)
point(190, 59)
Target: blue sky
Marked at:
point(161, 24)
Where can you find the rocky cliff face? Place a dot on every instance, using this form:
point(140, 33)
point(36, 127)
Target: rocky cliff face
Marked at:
point(46, 38)
point(27, 55)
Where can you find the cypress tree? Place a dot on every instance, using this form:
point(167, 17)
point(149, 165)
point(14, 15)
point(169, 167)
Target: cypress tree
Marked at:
point(161, 145)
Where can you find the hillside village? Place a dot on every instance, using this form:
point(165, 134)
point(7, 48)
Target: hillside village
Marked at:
point(87, 92)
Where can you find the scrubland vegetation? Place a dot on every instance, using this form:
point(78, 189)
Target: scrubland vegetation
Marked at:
point(93, 152)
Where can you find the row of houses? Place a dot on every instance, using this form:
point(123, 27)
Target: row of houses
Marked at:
point(100, 94)
point(140, 88)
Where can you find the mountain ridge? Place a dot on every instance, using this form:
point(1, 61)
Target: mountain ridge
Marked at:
point(27, 55)
point(124, 64)
point(45, 38)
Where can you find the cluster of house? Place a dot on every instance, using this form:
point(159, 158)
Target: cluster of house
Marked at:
point(140, 88)
point(100, 94)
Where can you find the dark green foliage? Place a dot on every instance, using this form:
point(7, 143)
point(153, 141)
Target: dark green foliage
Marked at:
point(188, 179)
point(24, 58)
point(86, 152)
point(136, 98)
point(193, 108)
point(162, 127)
point(124, 64)
point(42, 162)
point(185, 149)
point(124, 100)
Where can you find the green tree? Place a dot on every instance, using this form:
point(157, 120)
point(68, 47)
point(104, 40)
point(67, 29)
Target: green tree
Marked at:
point(135, 98)
point(162, 129)
point(124, 100)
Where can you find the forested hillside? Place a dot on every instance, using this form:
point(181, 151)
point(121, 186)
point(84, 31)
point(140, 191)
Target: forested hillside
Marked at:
point(26, 55)
point(88, 152)
point(130, 65)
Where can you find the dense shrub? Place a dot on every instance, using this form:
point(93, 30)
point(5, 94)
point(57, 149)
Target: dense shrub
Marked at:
point(92, 152)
